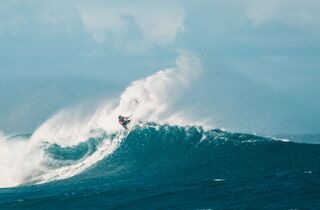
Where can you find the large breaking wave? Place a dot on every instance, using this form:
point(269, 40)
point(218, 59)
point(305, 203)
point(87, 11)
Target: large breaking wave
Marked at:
point(168, 166)
point(36, 158)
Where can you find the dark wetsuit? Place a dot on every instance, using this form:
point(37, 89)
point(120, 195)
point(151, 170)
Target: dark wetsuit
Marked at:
point(124, 121)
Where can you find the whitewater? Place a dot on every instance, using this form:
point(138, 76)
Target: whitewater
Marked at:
point(170, 159)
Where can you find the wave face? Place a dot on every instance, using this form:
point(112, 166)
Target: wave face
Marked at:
point(164, 166)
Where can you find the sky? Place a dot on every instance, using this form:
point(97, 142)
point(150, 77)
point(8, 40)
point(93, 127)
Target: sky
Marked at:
point(260, 59)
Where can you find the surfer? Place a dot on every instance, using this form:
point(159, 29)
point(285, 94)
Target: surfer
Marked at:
point(124, 121)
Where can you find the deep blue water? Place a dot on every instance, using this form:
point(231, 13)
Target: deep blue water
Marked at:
point(171, 167)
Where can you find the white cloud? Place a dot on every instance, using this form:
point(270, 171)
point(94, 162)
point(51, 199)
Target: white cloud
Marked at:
point(156, 24)
point(295, 13)
point(124, 25)
point(160, 24)
point(99, 21)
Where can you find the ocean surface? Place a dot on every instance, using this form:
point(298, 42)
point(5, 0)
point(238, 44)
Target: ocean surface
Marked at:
point(170, 167)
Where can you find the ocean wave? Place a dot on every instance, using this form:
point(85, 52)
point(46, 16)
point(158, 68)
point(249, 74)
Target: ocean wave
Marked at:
point(160, 165)
point(176, 150)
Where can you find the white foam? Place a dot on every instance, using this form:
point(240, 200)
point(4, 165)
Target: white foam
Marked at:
point(219, 180)
point(17, 160)
point(105, 149)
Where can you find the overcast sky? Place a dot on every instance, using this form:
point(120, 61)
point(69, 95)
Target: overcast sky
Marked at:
point(260, 58)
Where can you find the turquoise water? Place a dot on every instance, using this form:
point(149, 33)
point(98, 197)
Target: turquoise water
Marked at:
point(172, 167)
